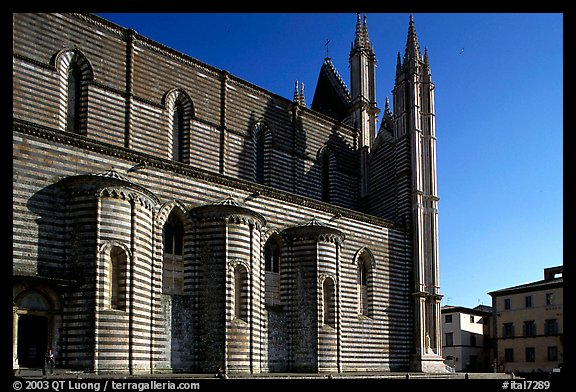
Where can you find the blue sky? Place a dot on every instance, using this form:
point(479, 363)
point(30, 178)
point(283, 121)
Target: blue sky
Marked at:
point(499, 117)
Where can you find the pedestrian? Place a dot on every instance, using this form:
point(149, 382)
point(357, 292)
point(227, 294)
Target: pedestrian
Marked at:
point(49, 360)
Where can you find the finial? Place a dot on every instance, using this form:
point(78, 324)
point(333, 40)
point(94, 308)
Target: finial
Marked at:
point(301, 98)
point(412, 47)
point(326, 45)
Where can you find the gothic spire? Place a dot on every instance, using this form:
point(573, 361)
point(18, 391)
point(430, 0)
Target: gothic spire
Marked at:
point(398, 64)
point(412, 47)
point(362, 39)
point(426, 62)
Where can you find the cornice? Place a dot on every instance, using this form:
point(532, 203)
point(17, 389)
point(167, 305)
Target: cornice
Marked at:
point(154, 162)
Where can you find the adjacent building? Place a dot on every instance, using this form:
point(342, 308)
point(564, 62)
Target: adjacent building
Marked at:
point(529, 324)
point(467, 343)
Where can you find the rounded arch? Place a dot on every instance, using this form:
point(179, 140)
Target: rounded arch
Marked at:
point(63, 59)
point(25, 294)
point(106, 248)
point(261, 129)
point(75, 73)
point(173, 206)
point(177, 96)
point(365, 255)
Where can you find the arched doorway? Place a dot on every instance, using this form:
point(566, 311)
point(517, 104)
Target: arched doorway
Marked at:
point(33, 326)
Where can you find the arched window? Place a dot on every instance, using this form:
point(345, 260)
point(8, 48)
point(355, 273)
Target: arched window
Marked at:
point(240, 293)
point(173, 266)
point(74, 94)
point(179, 114)
point(272, 270)
point(118, 275)
point(365, 263)
point(262, 140)
point(74, 76)
point(328, 315)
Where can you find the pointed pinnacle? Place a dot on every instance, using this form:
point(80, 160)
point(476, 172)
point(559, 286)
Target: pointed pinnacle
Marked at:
point(412, 46)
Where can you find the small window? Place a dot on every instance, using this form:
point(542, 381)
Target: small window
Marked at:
point(552, 353)
point(473, 340)
point(549, 298)
point(528, 301)
point(507, 304)
point(529, 328)
point(508, 330)
point(472, 319)
point(530, 354)
point(509, 355)
point(550, 327)
point(448, 318)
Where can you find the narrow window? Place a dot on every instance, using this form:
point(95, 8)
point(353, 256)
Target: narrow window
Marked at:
point(260, 158)
point(118, 261)
point(328, 302)
point(326, 177)
point(448, 318)
point(363, 289)
point(74, 90)
point(364, 284)
point(240, 293)
point(528, 301)
point(178, 133)
point(449, 338)
point(173, 267)
point(530, 354)
point(272, 271)
point(549, 298)
point(507, 304)
point(471, 319)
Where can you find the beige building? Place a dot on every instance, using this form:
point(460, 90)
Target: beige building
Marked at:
point(466, 337)
point(528, 324)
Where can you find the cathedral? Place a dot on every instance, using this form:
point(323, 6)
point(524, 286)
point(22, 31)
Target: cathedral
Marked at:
point(169, 217)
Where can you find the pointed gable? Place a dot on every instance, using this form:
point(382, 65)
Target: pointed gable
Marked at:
point(331, 97)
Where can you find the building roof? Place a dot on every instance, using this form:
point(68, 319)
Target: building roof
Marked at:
point(480, 310)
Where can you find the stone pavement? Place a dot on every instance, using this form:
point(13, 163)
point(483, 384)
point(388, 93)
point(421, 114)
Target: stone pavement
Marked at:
point(29, 373)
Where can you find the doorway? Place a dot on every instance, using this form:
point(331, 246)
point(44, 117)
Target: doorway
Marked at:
point(32, 340)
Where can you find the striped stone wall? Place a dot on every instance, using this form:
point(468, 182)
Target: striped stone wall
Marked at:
point(82, 200)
